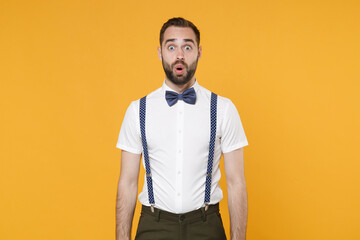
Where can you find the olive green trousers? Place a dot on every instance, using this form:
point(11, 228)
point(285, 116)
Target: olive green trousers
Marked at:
point(195, 225)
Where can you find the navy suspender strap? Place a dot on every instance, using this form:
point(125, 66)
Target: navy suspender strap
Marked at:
point(213, 113)
point(145, 152)
point(213, 116)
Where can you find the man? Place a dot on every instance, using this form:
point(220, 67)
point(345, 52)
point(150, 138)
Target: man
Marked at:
point(181, 129)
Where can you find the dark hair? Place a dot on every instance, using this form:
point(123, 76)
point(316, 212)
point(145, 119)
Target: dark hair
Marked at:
point(179, 22)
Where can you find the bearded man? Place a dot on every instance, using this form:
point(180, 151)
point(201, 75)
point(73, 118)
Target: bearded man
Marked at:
point(181, 130)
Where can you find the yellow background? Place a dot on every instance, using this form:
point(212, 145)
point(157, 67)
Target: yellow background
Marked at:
point(69, 69)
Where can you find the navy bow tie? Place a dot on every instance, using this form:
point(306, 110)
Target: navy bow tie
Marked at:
point(189, 96)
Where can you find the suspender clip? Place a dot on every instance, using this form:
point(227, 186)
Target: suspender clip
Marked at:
point(152, 208)
point(206, 206)
point(148, 175)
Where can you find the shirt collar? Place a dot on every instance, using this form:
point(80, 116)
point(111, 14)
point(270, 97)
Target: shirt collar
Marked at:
point(165, 87)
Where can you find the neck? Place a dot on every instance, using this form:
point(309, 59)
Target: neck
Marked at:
point(180, 88)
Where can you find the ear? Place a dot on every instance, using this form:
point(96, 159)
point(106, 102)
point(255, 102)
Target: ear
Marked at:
point(159, 53)
point(200, 52)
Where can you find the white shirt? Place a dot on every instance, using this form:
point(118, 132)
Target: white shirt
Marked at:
point(178, 145)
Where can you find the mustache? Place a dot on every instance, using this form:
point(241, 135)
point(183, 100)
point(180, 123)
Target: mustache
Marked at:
point(179, 62)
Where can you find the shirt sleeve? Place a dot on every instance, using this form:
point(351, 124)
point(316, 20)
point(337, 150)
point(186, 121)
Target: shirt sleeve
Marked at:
point(129, 137)
point(233, 135)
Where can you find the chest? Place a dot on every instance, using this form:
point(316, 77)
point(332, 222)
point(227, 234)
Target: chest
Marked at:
point(181, 125)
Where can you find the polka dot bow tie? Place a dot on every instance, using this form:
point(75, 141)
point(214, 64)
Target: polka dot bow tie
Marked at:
point(189, 96)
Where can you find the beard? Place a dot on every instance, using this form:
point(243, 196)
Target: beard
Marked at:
point(179, 79)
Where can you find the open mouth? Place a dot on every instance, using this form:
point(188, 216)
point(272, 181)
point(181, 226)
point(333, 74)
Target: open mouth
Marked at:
point(179, 69)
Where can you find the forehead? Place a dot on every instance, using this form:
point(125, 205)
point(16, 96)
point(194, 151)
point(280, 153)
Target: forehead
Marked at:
point(179, 33)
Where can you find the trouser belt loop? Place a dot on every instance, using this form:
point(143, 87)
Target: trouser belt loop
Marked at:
point(157, 214)
point(203, 211)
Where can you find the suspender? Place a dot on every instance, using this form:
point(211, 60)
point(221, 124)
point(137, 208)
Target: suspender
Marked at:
point(145, 152)
point(213, 114)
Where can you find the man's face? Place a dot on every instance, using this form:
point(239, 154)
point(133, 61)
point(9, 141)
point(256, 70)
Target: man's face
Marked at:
point(179, 54)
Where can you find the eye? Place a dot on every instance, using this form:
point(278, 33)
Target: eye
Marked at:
point(187, 47)
point(171, 47)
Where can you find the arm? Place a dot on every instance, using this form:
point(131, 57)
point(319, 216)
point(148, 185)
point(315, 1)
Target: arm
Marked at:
point(126, 194)
point(237, 196)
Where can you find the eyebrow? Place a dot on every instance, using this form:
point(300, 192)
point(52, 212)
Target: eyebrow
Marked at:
point(174, 39)
point(189, 40)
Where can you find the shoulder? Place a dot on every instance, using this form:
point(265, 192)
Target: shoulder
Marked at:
point(150, 96)
point(223, 102)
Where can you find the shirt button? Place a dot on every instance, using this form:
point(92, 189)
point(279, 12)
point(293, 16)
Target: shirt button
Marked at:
point(178, 194)
point(180, 131)
point(180, 151)
point(179, 172)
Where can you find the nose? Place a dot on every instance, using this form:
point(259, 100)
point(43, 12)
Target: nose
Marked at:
point(180, 54)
